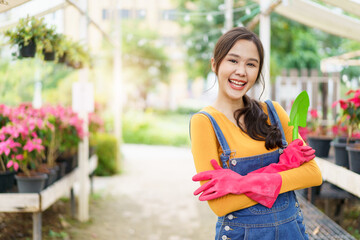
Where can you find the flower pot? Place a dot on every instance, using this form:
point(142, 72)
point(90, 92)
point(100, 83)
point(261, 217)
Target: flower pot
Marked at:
point(354, 157)
point(49, 56)
point(52, 176)
point(320, 144)
point(62, 169)
point(32, 184)
point(6, 181)
point(62, 59)
point(28, 50)
point(341, 154)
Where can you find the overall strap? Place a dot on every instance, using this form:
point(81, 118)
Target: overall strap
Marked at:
point(274, 119)
point(221, 139)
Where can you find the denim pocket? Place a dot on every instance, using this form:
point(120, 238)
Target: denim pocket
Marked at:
point(281, 203)
point(231, 231)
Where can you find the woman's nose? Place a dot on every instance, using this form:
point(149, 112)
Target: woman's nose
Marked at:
point(240, 69)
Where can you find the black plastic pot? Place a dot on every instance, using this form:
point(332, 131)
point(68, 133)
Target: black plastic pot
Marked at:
point(341, 154)
point(49, 56)
point(28, 50)
point(321, 145)
point(354, 157)
point(62, 59)
point(6, 181)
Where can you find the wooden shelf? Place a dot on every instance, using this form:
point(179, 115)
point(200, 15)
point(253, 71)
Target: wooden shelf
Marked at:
point(339, 176)
point(38, 202)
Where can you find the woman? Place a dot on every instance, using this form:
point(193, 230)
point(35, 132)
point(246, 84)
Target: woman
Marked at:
point(252, 191)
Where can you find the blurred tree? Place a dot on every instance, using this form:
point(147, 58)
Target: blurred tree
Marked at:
point(293, 45)
point(203, 30)
point(144, 59)
point(17, 79)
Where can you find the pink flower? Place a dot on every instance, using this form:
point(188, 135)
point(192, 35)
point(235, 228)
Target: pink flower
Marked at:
point(314, 113)
point(349, 92)
point(14, 164)
point(34, 144)
point(4, 148)
point(343, 104)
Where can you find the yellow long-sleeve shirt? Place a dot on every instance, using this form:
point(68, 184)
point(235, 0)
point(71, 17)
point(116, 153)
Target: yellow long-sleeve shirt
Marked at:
point(204, 147)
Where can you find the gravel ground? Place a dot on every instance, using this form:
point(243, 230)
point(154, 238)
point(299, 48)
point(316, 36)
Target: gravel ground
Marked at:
point(151, 200)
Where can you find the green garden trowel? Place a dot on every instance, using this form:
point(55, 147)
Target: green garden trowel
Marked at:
point(298, 114)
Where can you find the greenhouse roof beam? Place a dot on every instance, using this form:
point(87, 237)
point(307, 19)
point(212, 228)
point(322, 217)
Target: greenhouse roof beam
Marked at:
point(349, 6)
point(11, 4)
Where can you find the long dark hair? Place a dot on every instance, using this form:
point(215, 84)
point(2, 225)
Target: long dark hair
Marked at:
point(254, 117)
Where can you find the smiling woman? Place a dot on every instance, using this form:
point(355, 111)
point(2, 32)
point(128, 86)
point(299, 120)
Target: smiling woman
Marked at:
point(247, 169)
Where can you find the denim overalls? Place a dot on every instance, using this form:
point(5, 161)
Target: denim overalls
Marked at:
point(284, 221)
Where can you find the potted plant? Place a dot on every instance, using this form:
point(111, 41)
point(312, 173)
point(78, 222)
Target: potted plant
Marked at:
point(77, 56)
point(27, 35)
point(349, 117)
point(66, 135)
point(353, 112)
point(6, 174)
point(318, 136)
point(23, 151)
point(52, 45)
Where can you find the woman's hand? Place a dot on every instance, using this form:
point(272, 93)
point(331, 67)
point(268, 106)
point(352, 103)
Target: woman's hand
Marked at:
point(293, 156)
point(225, 181)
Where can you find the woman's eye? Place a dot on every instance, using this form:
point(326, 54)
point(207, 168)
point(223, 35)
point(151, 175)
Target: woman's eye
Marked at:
point(232, 60)
point(251, 65)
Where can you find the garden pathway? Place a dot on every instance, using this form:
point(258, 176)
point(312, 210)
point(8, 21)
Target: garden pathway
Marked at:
point(151, 200)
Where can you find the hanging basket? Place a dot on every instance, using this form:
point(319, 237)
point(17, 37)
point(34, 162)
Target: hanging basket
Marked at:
point(62, 59)
point(29, 50)
point(49, 56)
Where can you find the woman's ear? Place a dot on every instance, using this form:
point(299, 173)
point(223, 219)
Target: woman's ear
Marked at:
point(213, 67)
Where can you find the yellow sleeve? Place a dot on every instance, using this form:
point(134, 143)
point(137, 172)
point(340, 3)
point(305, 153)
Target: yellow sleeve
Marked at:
point(204, 147)
point(308, 174)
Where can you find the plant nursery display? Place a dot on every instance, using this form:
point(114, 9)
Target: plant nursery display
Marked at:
point(31, 141)
point(346, 150)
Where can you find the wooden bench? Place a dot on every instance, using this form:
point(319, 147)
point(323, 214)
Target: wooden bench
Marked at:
point(36, 203)
point(320, 226)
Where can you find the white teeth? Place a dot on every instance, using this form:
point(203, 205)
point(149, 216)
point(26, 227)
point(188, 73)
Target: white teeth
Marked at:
point(237, 82)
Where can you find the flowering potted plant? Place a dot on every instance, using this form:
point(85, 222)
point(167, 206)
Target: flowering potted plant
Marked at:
point(350, 117)
point(21, 148)
point(6, 175)
point(66, 135)
point(317, 135)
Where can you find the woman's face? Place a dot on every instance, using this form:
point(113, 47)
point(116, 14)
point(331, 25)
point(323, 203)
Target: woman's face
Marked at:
point(238, 71)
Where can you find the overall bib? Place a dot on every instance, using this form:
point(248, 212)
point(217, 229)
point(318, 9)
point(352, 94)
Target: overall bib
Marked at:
point(284, 221)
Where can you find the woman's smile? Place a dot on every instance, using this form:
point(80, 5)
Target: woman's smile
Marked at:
point(237, 84)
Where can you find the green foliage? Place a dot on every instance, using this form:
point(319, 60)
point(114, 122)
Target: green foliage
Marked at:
point(293, 45)
point(145, 62)
point(47, 40)
point(203, 33)
point(27, 29)
point(18, 86)
point(156, 128)
point(106, 150)
point(58, 235)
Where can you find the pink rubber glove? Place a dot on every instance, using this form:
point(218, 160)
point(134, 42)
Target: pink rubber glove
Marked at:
point(225, 181)
point(293, 156)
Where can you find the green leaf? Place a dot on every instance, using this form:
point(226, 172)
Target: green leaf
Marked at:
point(298, 114)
